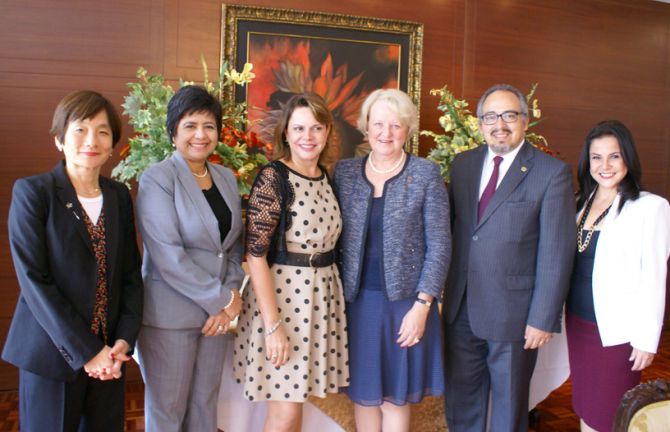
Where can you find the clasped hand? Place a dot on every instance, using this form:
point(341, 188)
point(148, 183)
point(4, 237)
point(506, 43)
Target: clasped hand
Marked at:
point(106, 365)
point(219, 323)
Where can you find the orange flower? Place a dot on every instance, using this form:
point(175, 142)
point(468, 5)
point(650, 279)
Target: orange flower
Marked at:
point(124, 151)
point(238, 134)
point(215, 158)
point(253, 141)
point(228, 138)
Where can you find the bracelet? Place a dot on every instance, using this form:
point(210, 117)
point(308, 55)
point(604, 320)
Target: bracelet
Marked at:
point(426, 303)
point(274, 327)
point(232, 299)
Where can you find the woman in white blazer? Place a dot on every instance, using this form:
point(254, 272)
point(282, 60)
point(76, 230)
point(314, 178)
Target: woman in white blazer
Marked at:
point(617, 296)
point(189, 216)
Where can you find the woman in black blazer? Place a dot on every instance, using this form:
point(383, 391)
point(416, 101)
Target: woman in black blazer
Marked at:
point(72, 238)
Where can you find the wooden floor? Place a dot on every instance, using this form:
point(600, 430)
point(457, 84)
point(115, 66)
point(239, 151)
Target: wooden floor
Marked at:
point(555, 413)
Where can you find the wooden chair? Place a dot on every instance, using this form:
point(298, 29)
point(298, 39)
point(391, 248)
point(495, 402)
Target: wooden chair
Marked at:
point(646, 407)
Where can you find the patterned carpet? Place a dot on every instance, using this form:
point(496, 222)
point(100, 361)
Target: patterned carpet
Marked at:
point(555, 413)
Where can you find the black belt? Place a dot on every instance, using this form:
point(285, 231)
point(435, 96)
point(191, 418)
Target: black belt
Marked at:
point(318, 259)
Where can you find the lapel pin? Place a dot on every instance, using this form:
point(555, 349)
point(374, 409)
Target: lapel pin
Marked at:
point(68, 205)
point(524, 169)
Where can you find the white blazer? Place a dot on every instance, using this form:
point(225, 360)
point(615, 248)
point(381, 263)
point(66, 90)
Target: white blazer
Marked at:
point(629, 272)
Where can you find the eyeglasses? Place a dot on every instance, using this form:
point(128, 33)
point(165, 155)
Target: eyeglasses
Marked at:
point(508, 117)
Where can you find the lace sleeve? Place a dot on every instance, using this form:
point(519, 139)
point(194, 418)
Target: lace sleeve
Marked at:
point(263, 212)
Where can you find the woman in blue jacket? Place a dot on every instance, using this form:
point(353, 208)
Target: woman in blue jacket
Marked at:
point(395, 246)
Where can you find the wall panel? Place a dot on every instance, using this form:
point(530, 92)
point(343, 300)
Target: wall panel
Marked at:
point(594, 59)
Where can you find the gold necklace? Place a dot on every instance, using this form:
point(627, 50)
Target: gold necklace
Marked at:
point(95, 192)
point(203, 175)
point(583, 244)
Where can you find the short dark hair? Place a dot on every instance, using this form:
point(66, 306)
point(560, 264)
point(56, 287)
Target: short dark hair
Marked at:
point(321, 113)
point(523, 103)
point(82, 105)
point(188, 100)
point(631, 185)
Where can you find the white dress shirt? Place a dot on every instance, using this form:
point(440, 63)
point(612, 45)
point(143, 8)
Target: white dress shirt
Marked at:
point(487, 170)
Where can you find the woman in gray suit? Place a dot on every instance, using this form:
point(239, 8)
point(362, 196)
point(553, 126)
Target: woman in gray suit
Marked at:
point(189, 216)
point(396, 246)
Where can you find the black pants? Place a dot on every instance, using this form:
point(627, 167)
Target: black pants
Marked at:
point(82, 405)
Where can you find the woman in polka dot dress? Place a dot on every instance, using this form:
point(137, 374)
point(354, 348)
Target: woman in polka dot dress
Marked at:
point(292, 339)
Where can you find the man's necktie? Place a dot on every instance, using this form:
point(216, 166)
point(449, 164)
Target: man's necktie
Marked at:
point(490, 188)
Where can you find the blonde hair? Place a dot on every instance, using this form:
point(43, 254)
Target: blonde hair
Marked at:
point(398, 101)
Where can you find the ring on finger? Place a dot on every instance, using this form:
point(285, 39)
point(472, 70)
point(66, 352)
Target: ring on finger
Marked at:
point(219, 328)
point(417, 340)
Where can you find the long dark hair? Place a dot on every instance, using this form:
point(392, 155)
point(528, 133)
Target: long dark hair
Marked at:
point(631, 185)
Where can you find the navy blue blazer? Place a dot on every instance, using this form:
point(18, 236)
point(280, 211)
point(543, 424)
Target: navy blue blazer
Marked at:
point(56, 268)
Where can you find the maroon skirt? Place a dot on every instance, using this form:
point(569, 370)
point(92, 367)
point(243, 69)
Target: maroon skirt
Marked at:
point(600, 375)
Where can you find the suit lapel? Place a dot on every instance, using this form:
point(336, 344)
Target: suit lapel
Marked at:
point(198, 199)
point(70, 203)
point(476, 166)
point(110, 204)
point(520, 167)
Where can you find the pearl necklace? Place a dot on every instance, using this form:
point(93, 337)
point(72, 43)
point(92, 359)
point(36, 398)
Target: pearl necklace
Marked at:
point(203, 175)
point(386, 171)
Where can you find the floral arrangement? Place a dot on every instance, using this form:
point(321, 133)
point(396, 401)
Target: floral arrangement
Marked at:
point(146, 106)
point(462, 132)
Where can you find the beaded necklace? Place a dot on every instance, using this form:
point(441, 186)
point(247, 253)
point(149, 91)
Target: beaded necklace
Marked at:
point(203, 175)
point(386, 171)
point(582, 245)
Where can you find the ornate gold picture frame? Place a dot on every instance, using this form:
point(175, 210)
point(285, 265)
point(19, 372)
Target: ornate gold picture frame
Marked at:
point(341, 57)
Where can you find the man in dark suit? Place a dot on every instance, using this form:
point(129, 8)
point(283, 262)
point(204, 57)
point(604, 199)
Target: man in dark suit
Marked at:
point(513, 240)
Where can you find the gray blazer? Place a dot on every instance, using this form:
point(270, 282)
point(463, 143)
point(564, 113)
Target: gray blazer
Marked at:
point(516, 262)
point(416, 238)
point(188, 273)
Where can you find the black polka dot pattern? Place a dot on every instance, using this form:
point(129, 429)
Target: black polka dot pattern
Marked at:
point(312, 309)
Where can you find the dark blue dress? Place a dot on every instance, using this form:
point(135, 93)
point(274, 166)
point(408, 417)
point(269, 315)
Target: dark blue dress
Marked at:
point(380, 370)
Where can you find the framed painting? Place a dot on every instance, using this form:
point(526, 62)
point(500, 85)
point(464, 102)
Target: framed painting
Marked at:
point(343, 58)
